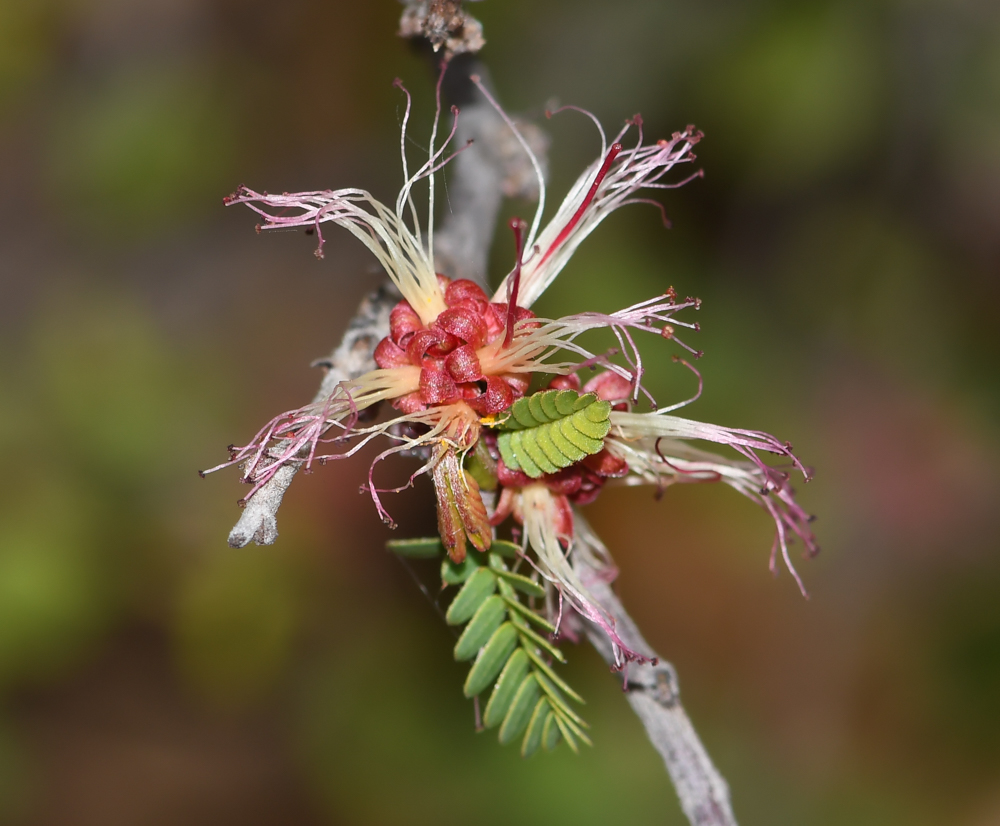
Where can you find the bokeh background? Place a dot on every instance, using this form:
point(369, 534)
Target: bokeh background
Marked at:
point(845, 243)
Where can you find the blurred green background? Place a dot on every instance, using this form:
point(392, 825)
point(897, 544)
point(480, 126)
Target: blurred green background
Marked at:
point(845, 243)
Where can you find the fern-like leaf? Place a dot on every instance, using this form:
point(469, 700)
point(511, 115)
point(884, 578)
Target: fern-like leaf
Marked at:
point(528, 699)
point(551, 430)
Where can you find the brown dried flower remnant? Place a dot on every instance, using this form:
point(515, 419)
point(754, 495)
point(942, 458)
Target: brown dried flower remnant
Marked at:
point(443, 23)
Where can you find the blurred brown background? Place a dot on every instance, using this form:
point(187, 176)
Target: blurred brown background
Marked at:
point(845, 243)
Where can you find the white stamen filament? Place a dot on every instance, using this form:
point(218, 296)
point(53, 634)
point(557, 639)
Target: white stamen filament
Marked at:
point(633, 169)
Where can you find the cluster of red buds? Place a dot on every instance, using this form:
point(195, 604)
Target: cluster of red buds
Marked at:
point(447, 350)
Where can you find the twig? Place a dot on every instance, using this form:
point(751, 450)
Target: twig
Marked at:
point(654, 694)
point(442, 23)
point(492, 166)
point(351, 358)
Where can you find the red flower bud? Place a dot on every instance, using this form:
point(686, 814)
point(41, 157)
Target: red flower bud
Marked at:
point(433, 342)
point(463, 364)
point(389, 354)
point(445, 344)
point(606, 465)
point(410, 403)
point(518, 382)
point(497, 397)
point(495, 320)
point(436, 386)
point(511, 478)
point(563, 518)
point(565, 482)
point(590, 489)
point(465, 324)
point(403, 323)
point(461, 290)
point(610, 387)
point(568, 382)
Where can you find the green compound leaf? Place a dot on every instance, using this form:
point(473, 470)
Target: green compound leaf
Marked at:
point(566, 724)
point(567, 734)
point(528, 698)
point(558, 703)
point(548, 671)
point(531, 639)
point(526, 612)
point(522, 583)
point(551, 430)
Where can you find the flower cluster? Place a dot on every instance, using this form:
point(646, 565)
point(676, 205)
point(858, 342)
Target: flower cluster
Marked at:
point(457, 366)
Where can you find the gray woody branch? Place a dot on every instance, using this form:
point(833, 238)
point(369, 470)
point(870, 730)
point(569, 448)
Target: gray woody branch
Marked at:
point(490, 167)
point(652, 691)
point(352, 357)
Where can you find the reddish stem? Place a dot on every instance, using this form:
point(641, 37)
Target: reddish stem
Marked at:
point(518, 226)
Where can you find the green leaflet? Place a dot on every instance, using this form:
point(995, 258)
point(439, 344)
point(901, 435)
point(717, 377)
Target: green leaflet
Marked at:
point(501, 547)
point(473, 594)
point(550, 732)
point(453, 573)
point(551, 430)
point(511, 677)
point(427, 547)
point(533, 736)
point(520, 710)
point(522, 583)
point(491, 659)
point(477, 633)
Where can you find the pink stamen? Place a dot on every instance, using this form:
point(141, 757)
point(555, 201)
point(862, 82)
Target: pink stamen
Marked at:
point(696, 475)
point(601, 173)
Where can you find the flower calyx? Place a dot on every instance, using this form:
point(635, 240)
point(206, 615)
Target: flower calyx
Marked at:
point(461, 513)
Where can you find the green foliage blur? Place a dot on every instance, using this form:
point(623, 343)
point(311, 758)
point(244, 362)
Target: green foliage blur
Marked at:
point(844, 242)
